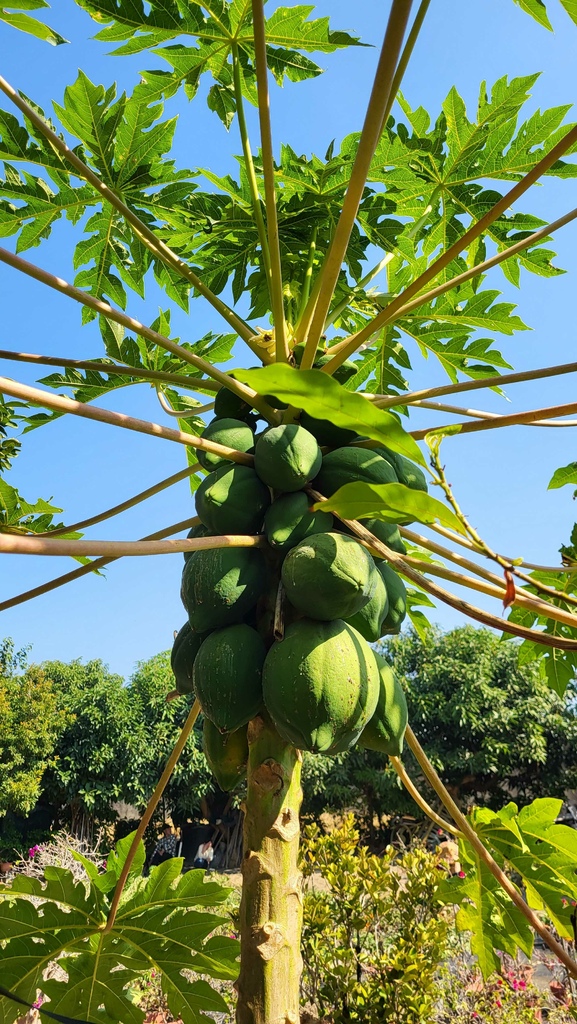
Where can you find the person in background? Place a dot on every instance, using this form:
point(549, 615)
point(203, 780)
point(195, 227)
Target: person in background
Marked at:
point(204, 855)
point(165, 848)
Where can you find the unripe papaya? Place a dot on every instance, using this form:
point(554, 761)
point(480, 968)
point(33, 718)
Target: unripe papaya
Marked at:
point(388, 533)
point(221, 585)
point(289, 521)
point(232, 500)
point(287, 457)
point(397, 599)
point(369, 620)
point(327, 433)
point(408, 473)
point(227, 676)
point(226, 753)
point(353, 465)
point(320, 685)
point(299, 351)
point(386, 729)
point(328, 576)
point(186, 646)
point(197, 531)
point(343, 373)
point(228, 405)
point(229, 432)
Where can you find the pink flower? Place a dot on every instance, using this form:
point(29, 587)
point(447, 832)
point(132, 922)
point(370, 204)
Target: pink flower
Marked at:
point(499, 1003)
point(33, 851)
point(38, 1002)
point(462, 874)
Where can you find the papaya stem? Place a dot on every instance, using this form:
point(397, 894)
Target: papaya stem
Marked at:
point(420, 800)
point(513, 419)
point(271, 903)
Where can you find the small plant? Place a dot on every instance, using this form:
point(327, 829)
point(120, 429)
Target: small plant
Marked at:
point(373, 938)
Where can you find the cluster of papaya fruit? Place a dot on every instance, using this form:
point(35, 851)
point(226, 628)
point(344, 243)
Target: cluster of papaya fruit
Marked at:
point(286, 626)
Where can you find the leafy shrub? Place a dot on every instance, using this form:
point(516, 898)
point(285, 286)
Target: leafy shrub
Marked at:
point(373, 937)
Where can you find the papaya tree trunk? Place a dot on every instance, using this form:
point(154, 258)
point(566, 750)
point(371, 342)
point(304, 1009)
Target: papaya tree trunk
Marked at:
point(271, 904)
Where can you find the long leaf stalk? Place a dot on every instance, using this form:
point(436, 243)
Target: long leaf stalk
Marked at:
point(276, 282)
point(117, 419)
point(486, 574)
point(307, 280)
point(457, 538)
point(405, 57)
point(179, 380)
point(399, 562)
point(148, 237)
point(420, 800)
point(512, 419)
point(494, 381)
point(392, 311)
point(103, 309)
point(150, 809)
point(494, 590)
point(94, 566)
point(181, 414)
point(17, 544)
point(249, 166)
point(480, 849)
point(116, 510)
point(479, 414)
point(370, 135)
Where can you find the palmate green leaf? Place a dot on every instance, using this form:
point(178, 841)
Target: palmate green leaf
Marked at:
point(159, 925)
point(391, 503)
point(322, 397)
point(563, 476)
point(20, 516)
point(537, 10)
point(10, 13)
point(571, 7)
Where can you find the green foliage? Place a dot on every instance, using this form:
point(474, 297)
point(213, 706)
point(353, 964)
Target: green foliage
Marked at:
point(541, 853)
point(391, 503)
point(373, 939)
point(12, 14)
point(322, 397)
point(30, 720)
point(162, 923)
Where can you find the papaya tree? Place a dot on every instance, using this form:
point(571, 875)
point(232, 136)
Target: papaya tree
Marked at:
point(327, 275)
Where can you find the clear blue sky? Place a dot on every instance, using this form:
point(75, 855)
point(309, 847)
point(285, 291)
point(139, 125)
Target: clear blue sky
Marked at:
point(500, 477)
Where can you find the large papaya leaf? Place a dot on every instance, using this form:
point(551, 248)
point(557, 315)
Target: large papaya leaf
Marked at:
point(322, 397)
point(11, 13)
point(162, 923)
point(392, 503)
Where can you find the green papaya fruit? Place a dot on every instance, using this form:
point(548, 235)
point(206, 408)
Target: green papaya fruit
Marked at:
point(184, 650)
point(353, 465)
point(228, 405)
point(226, 753)
point(386, 729)
point(408, 473)
point(388, 533)
point(289, 521)
point(299, 351)
point(368, 621)
point(343, 373)
point(229, 432)
point(328, 576)
point(220, 586)
point(320, 685)
point(287, 457)
point(227, 676)
point(327, 433)
point(197, 531)
point(233, 499)
point(397, 599)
